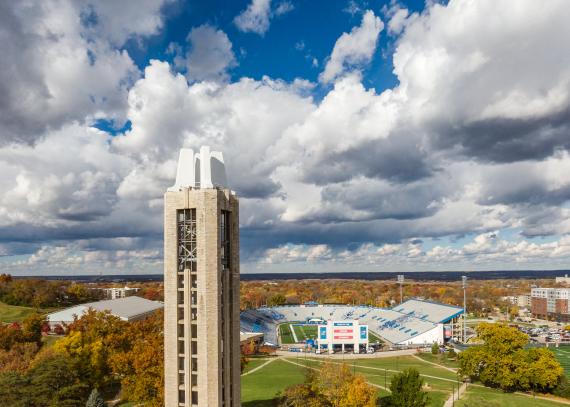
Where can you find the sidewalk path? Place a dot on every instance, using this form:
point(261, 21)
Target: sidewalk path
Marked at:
point(259, 367)
point(451, 369)
point(455, 396)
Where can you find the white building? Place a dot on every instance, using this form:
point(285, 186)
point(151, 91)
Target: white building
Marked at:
point(128, 309)
point(119, 292)
point(342, 334)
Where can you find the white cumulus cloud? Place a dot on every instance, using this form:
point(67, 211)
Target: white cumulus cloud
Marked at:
point(353, 49)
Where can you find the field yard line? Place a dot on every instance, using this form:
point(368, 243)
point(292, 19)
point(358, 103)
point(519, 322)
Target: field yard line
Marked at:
point(436, 364)
point(260, 366)
point(390, 370)
point(313, 368)
point(293, 332)
point(450, 401)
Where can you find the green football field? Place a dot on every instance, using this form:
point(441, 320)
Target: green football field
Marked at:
point(304, 332)
point(307, 331)
point(562, 353)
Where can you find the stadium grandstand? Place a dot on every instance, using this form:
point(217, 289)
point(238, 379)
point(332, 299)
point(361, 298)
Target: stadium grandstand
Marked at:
point(414, 322)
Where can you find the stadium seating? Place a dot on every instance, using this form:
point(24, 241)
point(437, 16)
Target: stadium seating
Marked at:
point(398, 325)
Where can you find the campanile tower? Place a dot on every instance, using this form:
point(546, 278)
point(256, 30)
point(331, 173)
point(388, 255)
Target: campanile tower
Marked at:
point(201, 285)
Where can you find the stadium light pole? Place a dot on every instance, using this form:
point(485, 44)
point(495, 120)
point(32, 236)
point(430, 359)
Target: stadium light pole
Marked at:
point(464, 283)
point(401, 282)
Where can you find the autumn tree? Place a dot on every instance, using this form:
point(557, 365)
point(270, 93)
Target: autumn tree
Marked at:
point(10, 335)
point(18, 358)
point(503, 362)
point(406, 390)
point(89, 342)
point(32, 328)
point(332, 385)
point(138, 359)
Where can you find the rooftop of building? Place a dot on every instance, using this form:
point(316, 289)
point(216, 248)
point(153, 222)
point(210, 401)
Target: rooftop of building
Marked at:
point(428, 310)
point(128, 308)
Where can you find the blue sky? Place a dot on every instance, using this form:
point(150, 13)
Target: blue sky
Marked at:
point(359, 135)
point(313, 25)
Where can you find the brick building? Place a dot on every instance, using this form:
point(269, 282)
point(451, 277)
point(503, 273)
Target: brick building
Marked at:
point(550, 303)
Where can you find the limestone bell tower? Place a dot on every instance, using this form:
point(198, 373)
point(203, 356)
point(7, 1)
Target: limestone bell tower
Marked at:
point(201, 285)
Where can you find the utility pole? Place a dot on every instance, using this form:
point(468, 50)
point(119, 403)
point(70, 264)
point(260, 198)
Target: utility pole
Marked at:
point(464, 281)
point(401, 282)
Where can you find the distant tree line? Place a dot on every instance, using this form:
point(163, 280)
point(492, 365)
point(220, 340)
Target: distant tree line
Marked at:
point(482, 296)
point(43, 293)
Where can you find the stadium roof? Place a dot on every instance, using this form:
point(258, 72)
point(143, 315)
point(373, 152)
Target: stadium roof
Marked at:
point(128, 309)
point(429, 311)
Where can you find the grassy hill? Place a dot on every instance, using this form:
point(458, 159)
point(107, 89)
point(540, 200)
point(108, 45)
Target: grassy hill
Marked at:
point(14, 313)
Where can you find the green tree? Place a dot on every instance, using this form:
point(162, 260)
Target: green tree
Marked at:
point(95, 399)
point(14, 390)
point(435, 348)
point(277, 299)
point(406, 390)
point(503, 362)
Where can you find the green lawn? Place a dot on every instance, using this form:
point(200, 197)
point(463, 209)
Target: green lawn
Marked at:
point(253, 363)
point(260, 388)
point(485, 397)
point(14, 313)
point(381, 371)
point(441, 359)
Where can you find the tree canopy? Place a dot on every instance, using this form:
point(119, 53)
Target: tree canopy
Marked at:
point(406, 390)
point(503, 362)
point(333, 385)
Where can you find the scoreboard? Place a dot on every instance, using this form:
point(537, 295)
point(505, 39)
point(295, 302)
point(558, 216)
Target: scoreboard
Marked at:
point(342, 333)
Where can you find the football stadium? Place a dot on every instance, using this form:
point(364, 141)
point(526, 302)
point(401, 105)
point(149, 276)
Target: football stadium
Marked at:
point(414, 322)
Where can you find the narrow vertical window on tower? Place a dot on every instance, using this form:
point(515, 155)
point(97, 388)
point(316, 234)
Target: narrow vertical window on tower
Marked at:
point(187, 267)
point(225, 239)
point(186, 240)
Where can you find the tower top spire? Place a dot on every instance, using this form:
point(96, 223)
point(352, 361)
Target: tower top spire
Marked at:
point(204, 169)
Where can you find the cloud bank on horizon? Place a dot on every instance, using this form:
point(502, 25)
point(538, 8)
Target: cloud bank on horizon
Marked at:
point(403, 136)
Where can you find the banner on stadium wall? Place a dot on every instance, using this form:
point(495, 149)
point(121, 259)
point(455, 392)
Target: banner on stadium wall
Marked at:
point(363, 332)
point(342, 324)
point(323, 332)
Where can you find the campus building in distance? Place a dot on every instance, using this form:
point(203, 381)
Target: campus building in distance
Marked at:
point(550, 303)
point(201, 285)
